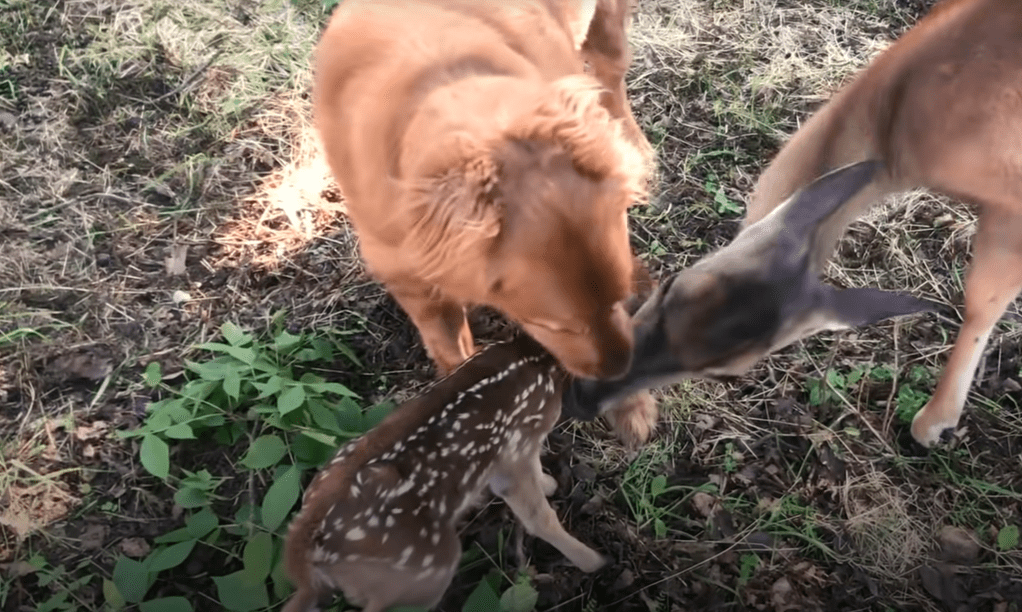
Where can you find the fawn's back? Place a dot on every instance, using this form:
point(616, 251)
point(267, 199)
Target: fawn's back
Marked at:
point(379, 522)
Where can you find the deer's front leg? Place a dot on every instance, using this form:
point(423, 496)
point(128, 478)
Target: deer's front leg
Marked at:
point(442, 324)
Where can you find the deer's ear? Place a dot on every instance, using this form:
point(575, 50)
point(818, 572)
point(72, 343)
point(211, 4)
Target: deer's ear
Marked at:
point(865, 306)
point(809, 207)
point(823, 197)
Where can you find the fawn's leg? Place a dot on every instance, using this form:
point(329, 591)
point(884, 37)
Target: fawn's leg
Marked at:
point(441, 322)
point(524, 495)
point(993, 281)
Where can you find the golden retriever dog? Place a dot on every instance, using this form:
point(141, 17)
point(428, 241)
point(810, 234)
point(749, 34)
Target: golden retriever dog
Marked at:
point(487, 155)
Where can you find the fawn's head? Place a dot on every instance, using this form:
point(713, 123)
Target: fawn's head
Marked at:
point(753, 297)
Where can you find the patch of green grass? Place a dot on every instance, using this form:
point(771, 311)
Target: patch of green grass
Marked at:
point(645, 492)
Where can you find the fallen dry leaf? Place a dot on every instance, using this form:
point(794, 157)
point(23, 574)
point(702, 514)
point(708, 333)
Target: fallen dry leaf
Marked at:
point(93, 537)
point(92, 431)
point(134, 547)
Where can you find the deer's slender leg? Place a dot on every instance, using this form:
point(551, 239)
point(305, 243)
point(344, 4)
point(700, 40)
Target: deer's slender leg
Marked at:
point(525, 497)
point(993, 282)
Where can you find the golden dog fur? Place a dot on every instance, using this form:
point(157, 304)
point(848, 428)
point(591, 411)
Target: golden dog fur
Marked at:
point(481, 165)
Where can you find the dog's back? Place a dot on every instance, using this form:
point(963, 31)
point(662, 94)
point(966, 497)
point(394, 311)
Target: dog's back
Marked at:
point(481, 165)
point(396, 52)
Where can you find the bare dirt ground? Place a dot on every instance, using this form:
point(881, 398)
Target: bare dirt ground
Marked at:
point(158, 177)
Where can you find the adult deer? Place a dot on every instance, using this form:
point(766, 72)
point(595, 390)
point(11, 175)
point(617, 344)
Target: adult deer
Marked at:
point(748, 299)
point(942, 109)
point(380, 521)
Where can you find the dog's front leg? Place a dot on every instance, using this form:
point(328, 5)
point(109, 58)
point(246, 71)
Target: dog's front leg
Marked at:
point(441, 322)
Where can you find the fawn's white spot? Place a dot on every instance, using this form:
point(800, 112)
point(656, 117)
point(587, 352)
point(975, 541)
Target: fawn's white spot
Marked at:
point(354, 534)
point(427, 560)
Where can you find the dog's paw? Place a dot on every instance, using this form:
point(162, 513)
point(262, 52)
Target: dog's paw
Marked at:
point(633, 419)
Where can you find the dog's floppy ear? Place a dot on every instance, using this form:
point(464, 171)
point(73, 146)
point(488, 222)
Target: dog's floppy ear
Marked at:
point(456, 211)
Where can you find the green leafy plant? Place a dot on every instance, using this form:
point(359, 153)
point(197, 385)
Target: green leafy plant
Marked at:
point(913, 393)
point(724, 205)
point(1007, 538)
point(266, 397)
point(63, 584)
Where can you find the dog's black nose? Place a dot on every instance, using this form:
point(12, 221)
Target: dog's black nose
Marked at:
point(578, 402)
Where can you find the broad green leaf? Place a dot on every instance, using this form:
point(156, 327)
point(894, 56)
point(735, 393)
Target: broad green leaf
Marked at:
point(209, 371)
point(311, 380)
point(281, 582)
point(291, 399)
point(313, 448)
point(232, 384)
point(166, 604)
point(658, 485)
point(178, 535)
point(349, 416)
point(153, 374)
point(159, 421)
point(239, 593)
point(286, 341)
point(177, 412)
point(258, 556)
point(264, 452)
point(324, 417)
point(482, 599)
point(191, 497)
point(377, 413)
point(171, 556)
point(270, 387)
point(155, 456)
point(281, 497)
point(234, 334)
point(331, 387)
point(112, 595)
point(245, 355)
point(347, 352)
point(181, 431)
point(132, 579)
point(519, 598)
point(1007, 538)
point(659, 528)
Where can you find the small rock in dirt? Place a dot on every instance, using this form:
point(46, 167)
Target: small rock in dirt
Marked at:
point(180, 297)
point(7, 121)
point(583, 472)
point(134, 547)
point(1011, 385)
point(175, 262)
point(704, 503)
point(957, 545)
point(93, 537)
point(590, 507)
point(625, 580)
point(782, 595)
